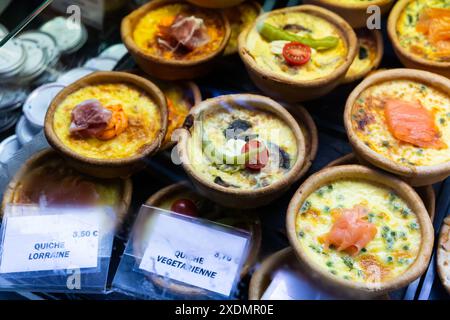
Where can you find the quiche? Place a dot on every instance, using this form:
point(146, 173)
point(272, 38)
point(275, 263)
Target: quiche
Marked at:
point(270, 45)
point(443, 254)
point(179, 31)
point(105, 124)
point(241, 146)
point(240, 17)
point(421, 29)
point(47, 180)
point(298, 53)
point(175, 40)
point(370, 52)
point(355, 12)
point(142, 122)
point(418, 30)
point(360, 228)
point(398, 120)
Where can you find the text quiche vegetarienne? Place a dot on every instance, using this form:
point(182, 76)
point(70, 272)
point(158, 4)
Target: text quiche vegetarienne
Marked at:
point(107, 121)
point(423, 27)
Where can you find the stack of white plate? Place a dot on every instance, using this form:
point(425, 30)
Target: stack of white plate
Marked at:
point(35, 109)
point(8, 148)
point(11, 99)
point(69, 36)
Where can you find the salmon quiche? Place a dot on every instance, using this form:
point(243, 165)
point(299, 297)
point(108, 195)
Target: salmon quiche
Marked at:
point(370, 52)
point(359, 227)
point(405, 121)
point(423, 27)
point(179, 31)
point(240, 17)
point(107, 121)
point(443, 254)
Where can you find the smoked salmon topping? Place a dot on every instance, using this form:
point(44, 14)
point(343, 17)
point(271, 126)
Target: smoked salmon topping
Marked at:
point(350, 232)
point(435, 24)
point(411, 122)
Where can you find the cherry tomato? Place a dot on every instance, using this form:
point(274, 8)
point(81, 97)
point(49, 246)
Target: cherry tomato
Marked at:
point(261, 159)
point(185, 206)
point(296, 53)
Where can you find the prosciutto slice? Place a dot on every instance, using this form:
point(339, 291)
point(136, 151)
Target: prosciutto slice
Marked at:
point(189, 31)
point(89, 118)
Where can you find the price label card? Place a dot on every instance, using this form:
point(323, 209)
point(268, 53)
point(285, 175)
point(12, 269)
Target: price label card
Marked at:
point(42, 242)
point(194, 253)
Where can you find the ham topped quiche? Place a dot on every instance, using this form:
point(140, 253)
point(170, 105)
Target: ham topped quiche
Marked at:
point(423, 29)
point(405, 121)
point(358, 230)
point(107, 121)
point(180, 31)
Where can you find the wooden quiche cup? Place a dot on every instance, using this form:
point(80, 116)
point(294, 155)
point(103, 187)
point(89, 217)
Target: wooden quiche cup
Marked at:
point(156, 199)
point(443, 255)
point(378, 37)
point(417, 175)
point(262, 277)
point(108, 168)
point(354, 13)
point(406, 192)
point(232, 49)
point(310, 132)
point(216, 4)
point(283, 88)
point(426, 193)
point(407, 58)
point(39, 159)
point(163, 68)
point(232, 197)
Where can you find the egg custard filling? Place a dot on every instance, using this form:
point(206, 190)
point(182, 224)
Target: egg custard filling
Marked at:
point(107, 121)
point(405, 121)
point(367, 54)
point(240, 17)
point(359, 231)
point(297, 45)
point(180, 31)
point(53, 183)
point(423, 29)
point(237, 146)
point(179, 102)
